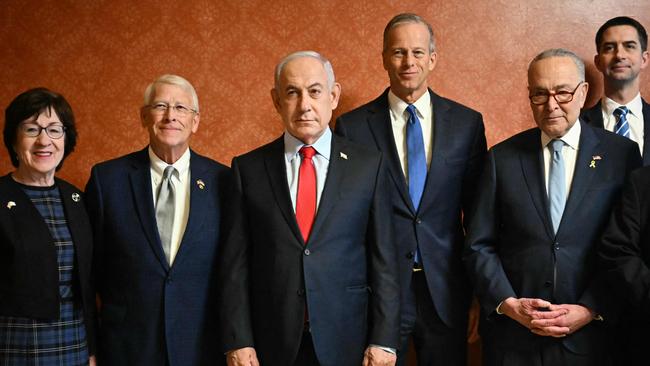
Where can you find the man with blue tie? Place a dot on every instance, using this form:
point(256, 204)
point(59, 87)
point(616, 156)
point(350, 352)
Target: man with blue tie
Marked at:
point(434, 149)
point(308, 273)
point(156, 217)
point(544, 197)
point(622, 53)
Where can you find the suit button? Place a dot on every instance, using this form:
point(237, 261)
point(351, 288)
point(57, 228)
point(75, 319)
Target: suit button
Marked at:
point(307, 252)
point(418, 221)
point(169, 280)
point(556, 246)
point(301, 292)
point(410, 255)
point(548, 284)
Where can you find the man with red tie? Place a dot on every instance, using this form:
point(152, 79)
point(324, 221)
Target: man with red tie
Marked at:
point(308, 271)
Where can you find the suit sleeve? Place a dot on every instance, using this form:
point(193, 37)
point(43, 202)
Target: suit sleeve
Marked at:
point(384, 281)
point(621, 252)
point(234, 312)
point(481, 254)
point(474, 169)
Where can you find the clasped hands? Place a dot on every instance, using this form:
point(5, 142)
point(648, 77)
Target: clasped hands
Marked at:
point(544, 318)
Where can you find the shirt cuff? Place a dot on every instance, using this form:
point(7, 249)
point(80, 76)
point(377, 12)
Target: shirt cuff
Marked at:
point(387, 349)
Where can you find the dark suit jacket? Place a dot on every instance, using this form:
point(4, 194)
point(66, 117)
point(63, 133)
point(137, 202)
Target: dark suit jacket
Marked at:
point(458, 153)
point(594, 117)
point(346, 273)
point(29, 272)
point(150, 313)
point(511, 250)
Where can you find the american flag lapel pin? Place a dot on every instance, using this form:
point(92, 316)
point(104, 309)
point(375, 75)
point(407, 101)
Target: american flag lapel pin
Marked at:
point(343, 155)
point(11, 204)
point(200, 184)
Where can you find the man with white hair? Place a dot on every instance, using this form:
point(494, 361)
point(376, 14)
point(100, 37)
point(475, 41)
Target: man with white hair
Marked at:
point(156, 218)
point(308, 272)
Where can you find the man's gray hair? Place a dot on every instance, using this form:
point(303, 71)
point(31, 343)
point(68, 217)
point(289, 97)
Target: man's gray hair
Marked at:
point(405, 18)
point(172, 80)
point(327, 65)
point(561, 52)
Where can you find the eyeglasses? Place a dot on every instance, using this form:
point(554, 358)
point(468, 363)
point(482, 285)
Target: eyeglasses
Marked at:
point(161, 108)
point(561, 96)
point(34, 130)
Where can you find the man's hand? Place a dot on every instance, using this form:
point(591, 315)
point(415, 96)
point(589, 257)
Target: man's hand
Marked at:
point(525, 311)
point(375, 356)
point(92, 361)
point(576, 317)
point(242, 357)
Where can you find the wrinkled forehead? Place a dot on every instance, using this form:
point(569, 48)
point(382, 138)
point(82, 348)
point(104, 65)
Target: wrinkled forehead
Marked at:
point(164, 92)
point(552, 73)
point(303, 71)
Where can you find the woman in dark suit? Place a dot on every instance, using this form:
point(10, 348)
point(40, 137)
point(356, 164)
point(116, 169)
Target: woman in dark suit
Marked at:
point(46, 297)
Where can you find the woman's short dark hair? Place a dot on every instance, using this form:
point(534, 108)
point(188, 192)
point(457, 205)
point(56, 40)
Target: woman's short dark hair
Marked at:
point(31, 104)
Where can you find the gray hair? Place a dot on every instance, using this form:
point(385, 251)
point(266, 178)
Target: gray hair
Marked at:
point(327, 65)
point(405, 18)
point(172, 80)
point(561, 52)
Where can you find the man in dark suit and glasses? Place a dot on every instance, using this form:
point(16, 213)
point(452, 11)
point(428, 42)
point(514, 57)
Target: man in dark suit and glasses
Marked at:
point(308, 272)
point(622, 53)
point(434, 149)
point(156, 219)
point(544, 198)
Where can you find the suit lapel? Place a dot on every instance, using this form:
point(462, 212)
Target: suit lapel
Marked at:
point(532, 165)
point(140, 177)
point(276, 170)
point(199, 200)
point(583, 174)
point(646, 133)
point(332, 188)
point(594, 116)
point(379, 123)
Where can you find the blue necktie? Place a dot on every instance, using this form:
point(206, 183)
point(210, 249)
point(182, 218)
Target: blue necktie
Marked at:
point(622, 127)
point(556, 183)
point(416, 160)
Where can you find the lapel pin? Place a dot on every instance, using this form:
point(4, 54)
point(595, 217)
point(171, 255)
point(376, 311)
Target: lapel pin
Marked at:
point(76, 197)
point(343, 155)
point(594, 158)
point(199, 182)
point(11, 204)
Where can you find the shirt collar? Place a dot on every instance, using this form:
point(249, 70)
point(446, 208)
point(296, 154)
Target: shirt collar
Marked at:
point(398, 106)
point(323, 145)
point(181, 165)
point(571, 138)
point(635, 105)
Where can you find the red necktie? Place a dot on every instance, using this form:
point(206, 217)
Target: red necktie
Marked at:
point(306, 198)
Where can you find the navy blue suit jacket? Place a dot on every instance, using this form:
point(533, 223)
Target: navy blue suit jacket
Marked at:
point(594, 117)
point(346, 273)
point(511, 250)
point(151, 313)
point(458, 153)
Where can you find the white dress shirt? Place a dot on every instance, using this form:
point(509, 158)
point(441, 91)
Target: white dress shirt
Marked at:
point(569, 155)
point(399, 117)
point(634, 117)
point(321, 161)
point(181, 180)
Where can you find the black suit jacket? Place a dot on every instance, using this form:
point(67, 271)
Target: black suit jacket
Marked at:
point(511, 250)
point(151, 313)
point(458, 153)
point(346, 273)
point(29, 272)
point(594, 117)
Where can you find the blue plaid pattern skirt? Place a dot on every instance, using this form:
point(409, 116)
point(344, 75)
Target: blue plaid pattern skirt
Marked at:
point(55, 342)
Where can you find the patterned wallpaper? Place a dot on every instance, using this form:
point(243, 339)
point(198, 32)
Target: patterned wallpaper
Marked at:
point(101, 54)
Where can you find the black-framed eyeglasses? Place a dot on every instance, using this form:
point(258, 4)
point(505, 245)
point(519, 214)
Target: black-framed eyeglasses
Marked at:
point(162, 108)
point(561, 96)
point(55, 131)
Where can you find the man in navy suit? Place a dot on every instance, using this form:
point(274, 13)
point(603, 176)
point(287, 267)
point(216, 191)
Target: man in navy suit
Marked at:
point(308, 272)
point(622, 53)
point(544, 198)
point(427, 214)
point(156, 218)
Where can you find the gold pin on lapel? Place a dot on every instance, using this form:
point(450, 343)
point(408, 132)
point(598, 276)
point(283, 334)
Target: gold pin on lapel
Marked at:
point(11, 204)
point(199, 182)
point(594, 158)
point(344, 155)
point(76, 197)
